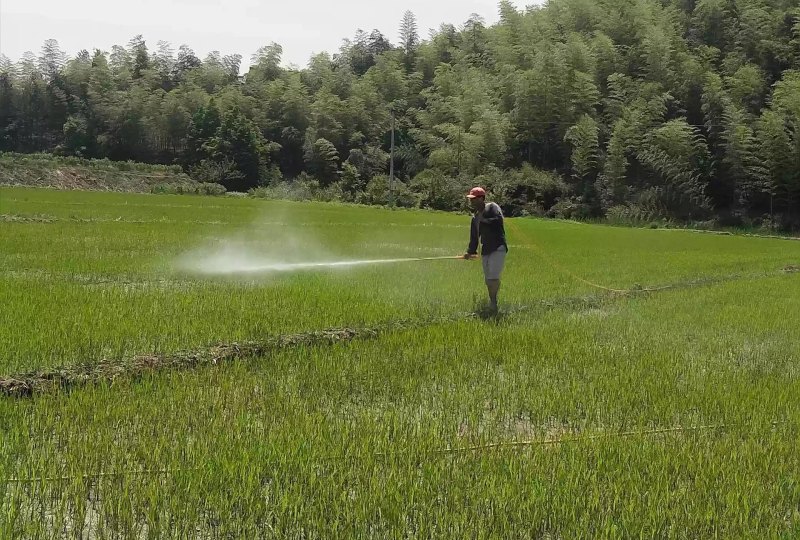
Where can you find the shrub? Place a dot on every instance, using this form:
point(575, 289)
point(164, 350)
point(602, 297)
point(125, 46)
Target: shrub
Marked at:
point(630, 214)
point(528, 191)
point(176, 188)
point(438, 191)
point(302, 188)
point(352, 183)
point(210, 188)
point(377, 193)
point(217, 172)
point(569, 209)
point(330, 193)
point(268, 175)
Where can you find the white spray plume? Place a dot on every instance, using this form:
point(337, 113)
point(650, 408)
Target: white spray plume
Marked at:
point(263, 251)
point(229, 261)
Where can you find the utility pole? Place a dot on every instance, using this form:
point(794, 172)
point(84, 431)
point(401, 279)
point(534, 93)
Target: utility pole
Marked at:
point(772, 209)
point(391, 167)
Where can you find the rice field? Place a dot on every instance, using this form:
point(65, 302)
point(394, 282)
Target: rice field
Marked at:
point(372, 402)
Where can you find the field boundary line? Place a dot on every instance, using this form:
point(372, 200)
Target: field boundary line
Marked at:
point(729, 233)
point(585, 438)
point(65, 378)
point(510, 445)
point(673, 228)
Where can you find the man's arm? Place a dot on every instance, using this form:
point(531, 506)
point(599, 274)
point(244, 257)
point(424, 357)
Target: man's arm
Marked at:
point(473, 238)
point(493, 214)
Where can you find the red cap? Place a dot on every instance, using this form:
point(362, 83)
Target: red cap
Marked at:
point(477, 193)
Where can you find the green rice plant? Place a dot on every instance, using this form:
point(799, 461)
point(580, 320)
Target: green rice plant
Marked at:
point(580, 414)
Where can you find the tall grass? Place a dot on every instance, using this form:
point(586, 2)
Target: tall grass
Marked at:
point(345, 441)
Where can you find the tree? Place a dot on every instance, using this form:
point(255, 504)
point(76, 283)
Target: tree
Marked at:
point(715, 107)
point(352, 181)
point(172, 126)
point(164, 64)
point(238, 140)
point(51, 60)
point(232, 64)
point(322, 158)
point(77, 139)
point(409, 39)
point(778, 136)
point(612, 185)
point(740, 162)
point(121, 66)
point(378, 44)
point(439, 50)
point(266, 62)
point(8, 115)
point(139, 56)
point(319, 73)
point(186, 62)
point(294, 107)
point(203, 127)
point(6, 65)
point(747, 88)
point(327, 118)
point(584, 137)
point(474, 43)
point(368, 162)
point(676, 151)
point(357, 54)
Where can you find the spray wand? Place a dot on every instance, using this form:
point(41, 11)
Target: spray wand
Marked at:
point(450, 258)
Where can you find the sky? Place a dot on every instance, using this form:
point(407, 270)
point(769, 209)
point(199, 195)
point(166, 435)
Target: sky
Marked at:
point(301, 27)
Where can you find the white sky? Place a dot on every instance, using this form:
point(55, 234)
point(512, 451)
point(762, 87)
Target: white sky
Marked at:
point(302, 27)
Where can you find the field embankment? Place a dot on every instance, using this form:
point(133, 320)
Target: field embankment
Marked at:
point(68, 173)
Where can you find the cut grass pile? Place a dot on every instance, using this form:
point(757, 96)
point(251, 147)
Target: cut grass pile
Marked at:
point(371, 438)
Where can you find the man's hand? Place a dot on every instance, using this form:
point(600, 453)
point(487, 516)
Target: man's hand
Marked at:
point(469, 257)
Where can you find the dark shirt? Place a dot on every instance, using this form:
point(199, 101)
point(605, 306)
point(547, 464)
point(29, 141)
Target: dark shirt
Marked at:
point(489, 228)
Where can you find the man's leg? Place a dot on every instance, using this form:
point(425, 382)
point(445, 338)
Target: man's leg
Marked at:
point(493, 285)
point(493, 269)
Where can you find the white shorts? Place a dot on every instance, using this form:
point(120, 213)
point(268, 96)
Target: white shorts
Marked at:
point(494, 263)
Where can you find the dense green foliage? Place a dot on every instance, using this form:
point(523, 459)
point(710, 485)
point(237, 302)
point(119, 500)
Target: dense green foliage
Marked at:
point(340, 441)
point(687, 109)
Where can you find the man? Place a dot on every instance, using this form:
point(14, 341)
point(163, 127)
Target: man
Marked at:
point(488, 227)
